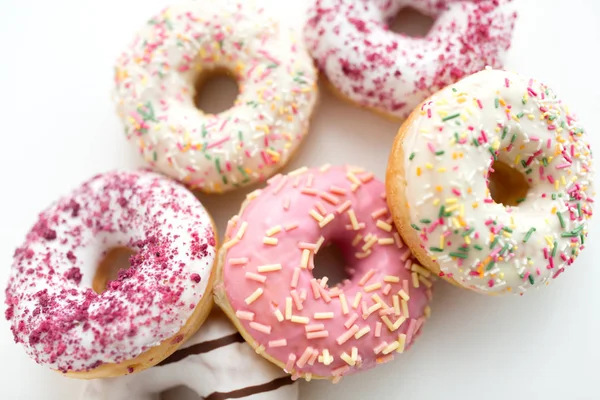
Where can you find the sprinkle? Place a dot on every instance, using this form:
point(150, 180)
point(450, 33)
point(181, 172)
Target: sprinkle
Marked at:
point(415, 279)
point(346, 357)
point(319, 244)
point(412, 155)
point(290, 227)
point(242, 230)
point(256, 277)
point(374, 286)
point(449, 117)
point(401, 343)
point(528, 235)
point(238, 261)
point(245, 315)
point(405, 311)
point(560, 219)
point(278, 343)
point(356, 301)
point(391, 347)
point(378, 326)
point(379, 348)
point(323, 315)
point(344, 337)
point(266, 329)
point(317, 335)
point(299, 320)
point(252, 298)
point(420, 270)
point(290, 363)
point(326, 220)
point(304, 357)
point(270, 241)
point(298, 171)
point(274, 230)
point(230, 243)
point(384, 225)
point(398, 323)
point(353, 219)
point(288, 308)
point(305, 258)
point(318, 217)
point(385, 241)
point(403, 295)
point(366, 329)
point(344, 303)
point(366, 277)
point(278, 315)
point(388, 323)
point(269, 268)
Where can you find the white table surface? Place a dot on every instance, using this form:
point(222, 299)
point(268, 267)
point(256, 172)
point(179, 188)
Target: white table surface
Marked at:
point(59, 128)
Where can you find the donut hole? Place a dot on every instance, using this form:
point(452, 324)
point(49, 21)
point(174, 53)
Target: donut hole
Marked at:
point(411, 22)
point(507, 185)
point(215, 91)
point(329, 262)
point(179, 393)
point(114, 260)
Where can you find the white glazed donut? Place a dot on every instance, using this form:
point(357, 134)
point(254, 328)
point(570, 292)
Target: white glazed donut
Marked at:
point(144, 314)
point(392, 73)
point(215, 363)
point(440, 193)
point(155, 89)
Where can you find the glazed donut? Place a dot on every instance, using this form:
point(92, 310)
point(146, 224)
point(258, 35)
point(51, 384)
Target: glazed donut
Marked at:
point(147, 311)
point(266, 283)
point(493, 125)
point(155, 90)
point(392, 73)
point(215, 363)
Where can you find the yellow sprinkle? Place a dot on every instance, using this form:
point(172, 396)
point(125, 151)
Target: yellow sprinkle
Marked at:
point(270, 241)
point(391, 347)
point(346, 357)
point(384, 225)
point(451, 200)
point(318, 217)
point(326, 220)
point(288, 308)
point(428, 166)
point(323, 315)
point(269, 268)
point(396, 303)
point(442, 242)
point(391, 279)
point(362, 332)
point(356, 301)
point(299, 320)
point(385, 241)
point(442, 169)
point(415, 279)
point(353, 220)
point(403, 294)
point(344, 303)
point(252, 298)
point(436, 202)
point(420, 270)
point(305, 258)
point(274, 230)
point(242, 230)
point(401, 343)
point(373, 287)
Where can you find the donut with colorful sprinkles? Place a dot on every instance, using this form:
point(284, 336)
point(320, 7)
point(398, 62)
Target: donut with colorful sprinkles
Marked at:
point(311, 329)
point(391, 73)
point(156, 80)
point(490, 183)
point(67, 321)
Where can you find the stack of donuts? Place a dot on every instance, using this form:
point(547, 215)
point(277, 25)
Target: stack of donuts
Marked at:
point(489, 186)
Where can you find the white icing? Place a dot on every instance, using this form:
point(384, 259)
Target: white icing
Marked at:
point(535, 117)
point(155, 86)
point(225, 369)
point(78, 329)
point(391, 72)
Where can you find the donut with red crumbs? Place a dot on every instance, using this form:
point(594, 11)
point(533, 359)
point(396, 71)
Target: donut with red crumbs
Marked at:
point(144, 314)
point(158, 76)
point(491, 183)
point(391, 73)
point(305, 326)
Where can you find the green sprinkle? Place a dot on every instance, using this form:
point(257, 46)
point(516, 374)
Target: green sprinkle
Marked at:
point(449, 117)
point(204, 132)
point(478, 247)
point(454, 90)
point(581, 239)
point(569, 234)
point(442, 211)
point(463, 249)
point(553, 196)
point(272, 65)
point(493, 153)
point(242, 171)
point(240, 136)
point(513, 138)
point(579, 209)
point(412, 155)
point(415, 227)
point(458, 255)
point(520, 115)
point(578, 229)
point(506, 246)
point(467, 233)
point(504, 132)
point(528, 171)
point(154, 156)
point(490, 265)
point(560, 219)
point(425, 221)
point(519, 201)
point(554, 248)
point(494, 242)
point(496, 102)
point(528, 235)
point(476, 142)
point(436, 249)
point(456, 137)
point(224, 179)
point(439, 153)
point(545, 161)
point(524, 163)
point(531, 279)
point(552, 117)
point(218, 164)
point(507, 229)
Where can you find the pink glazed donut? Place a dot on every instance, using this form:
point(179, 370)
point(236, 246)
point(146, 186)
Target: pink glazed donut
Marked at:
point(392, 73)
point(265, 280)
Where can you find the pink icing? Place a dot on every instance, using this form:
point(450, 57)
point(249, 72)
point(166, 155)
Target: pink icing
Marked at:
point(375, 67)
point(53, 311)
point(377, 274)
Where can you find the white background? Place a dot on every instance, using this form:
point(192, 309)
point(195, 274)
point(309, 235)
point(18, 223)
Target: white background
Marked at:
point(58, 127)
